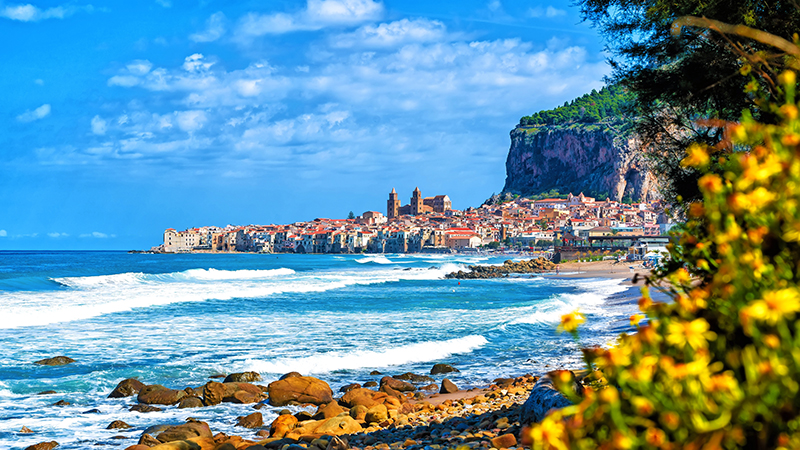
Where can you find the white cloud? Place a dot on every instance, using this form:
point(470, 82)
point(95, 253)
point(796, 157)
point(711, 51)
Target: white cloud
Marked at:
point(31, 13)
point(38, 113)
point(139, 66)
point(97, 234)
point(3, 233)
point(549, 12)
point(164, 3)
point(215, 28)
point(495, 6)
point(57, 235)
point(98, 125)
point(196, 63)
point(391, 34)
point(190, 120)
point(123, 80)
point(318, 14)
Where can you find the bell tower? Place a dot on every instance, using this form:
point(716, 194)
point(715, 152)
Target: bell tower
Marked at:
point(392, 205)
point(416, 202)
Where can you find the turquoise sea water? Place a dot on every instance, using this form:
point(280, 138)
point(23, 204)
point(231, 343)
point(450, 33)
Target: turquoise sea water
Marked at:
point(177, 319)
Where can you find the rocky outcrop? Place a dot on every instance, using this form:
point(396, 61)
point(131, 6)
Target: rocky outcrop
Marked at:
point(537, 265)
point(596, 159)
point(126, 388)
point(55, 361)
point(545, 397)
point(299, 389)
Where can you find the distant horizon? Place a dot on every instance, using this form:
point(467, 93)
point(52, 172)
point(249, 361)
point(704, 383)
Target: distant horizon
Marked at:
point(127, 119)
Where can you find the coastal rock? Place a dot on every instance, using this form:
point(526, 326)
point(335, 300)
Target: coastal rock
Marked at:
point(391, 392)
point(156, 394)
point(338, 425)
point(504, 441)
point(370, 384)
point(359, 412)
point(254, 420)
point(198, 443)
point(243, 377)
point(145, 408)
point(408, 376)
point(448, 387)
point(25, 430)
point(148, 441)
point(46, 393)
point(362, 396)
point(126, 388)
point(190, 402)
point(332, 409)
point(299, 389)
point(282, 425)
point(118, 425)
point(591, 158)
point(62, 403)
point(55, 361)
point(537, 265)
point(377, 414)
point(397, 385)
point(290, 375)
point(338, 443)
point(181, 432)
point(348, 387)
point(442, 368)
point(544, 397)
point(43, 446)
point(215, 393)
point(375, 372)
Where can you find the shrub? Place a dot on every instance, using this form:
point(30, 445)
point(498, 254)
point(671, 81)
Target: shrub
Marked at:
point(719, 366)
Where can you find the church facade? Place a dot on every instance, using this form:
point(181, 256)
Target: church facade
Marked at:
point(417, 206)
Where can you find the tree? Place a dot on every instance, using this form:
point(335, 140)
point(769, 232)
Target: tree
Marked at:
point(680, 78)
point(351, 216)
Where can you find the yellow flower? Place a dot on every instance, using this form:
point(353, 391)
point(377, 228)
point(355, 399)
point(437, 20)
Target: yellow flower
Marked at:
point(636, 318)
point(655, 437)
point(571, 321)
point(773, 307)
point(696, 156)
point(710, 184)
point(789, 111)
point(787, 77)
point(549, 434)
point(694, 333)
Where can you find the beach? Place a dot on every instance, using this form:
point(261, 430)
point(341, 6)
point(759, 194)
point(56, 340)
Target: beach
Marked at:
point(177, 320)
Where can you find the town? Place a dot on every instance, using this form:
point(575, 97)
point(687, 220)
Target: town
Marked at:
point(431, 225)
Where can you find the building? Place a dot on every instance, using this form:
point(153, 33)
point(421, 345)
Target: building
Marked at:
point(418, 205)
point(393, 205)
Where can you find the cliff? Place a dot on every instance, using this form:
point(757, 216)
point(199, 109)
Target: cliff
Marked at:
point(595, 159)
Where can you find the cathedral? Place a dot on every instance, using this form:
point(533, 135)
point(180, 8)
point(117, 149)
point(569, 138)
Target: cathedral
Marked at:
point(418, 205)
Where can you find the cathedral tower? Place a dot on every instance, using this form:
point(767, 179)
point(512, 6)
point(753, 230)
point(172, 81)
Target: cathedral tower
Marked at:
point(416, 202)
point(392, 205)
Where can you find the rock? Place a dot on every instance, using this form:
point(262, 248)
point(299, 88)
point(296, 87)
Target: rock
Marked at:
point(92, 411)
point(156, 394)
point(148, 440)
point(360, 396)
point(190, 402)
point(197, 443)
point(299, 389)
point(348, 387)
point(181, 432)
point(46, 393)
point(389, 391)
point(338, 443)
point(375, 372)
point(213, 393)
point(137, 447)
point(62, 403)
point(359, 412)
point(377, 414)
point(118, 425)
point(145, 408)
point(338, 425)
point(448, 387)
point(503, 382)
point(43, 446)
point(290, 375)
point(332, 409)
point(430, 387)
point(282, 425)
point(55, 361)
point(25, 430)
point(254, 420)
point(242, 377)
point(408, 376)
point(504, 441)
point(126, 388)
point(370, 384)
point(397, 385)
point(544, 396)
point(442, 368)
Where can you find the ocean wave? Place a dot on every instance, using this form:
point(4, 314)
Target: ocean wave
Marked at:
point(376, 259)
point(550, 311)
point(360, 359)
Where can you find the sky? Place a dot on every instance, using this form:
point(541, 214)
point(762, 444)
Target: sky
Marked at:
point(122, 119)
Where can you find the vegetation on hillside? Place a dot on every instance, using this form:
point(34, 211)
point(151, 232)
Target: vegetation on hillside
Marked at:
point(718, 367)
point(609, 103)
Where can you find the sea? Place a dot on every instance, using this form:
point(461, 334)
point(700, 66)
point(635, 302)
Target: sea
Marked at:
point(178, 319)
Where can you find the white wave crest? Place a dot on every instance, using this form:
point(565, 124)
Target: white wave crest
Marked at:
point(377, 259)
point(551, 310)
point(404, 354)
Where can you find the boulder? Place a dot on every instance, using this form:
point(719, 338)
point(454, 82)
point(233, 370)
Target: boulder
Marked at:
point(118, 425)
point(544, 397)
point(213, 393)
point(242, 377)
point(290, 375)
point(338, 425)
point(370, 384)
point(25, 430)
point(282, 425)
point(126, 388)
point(145, 408)
point(190, 402)
point(377, 414)
point(442, 368)
point(389, 391)
point(332, 409)
point(43, 446)
point(156, 394)
point(448, 387)
point(46, 392)
point(375, 372)
point(348, 387)
point(148, 441)
point(198, 443)
point(254, 420)
point(430, 387)
point(360, 396)
point(55, 361)
point(299, 389)
point(397, 385)
point(359, 412)
point(181, 432)
point(338, 443)
point(137, 447)
point(62, 403)
point(408, 376)
point(504, 441)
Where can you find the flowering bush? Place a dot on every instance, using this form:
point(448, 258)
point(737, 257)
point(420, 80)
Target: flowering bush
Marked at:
point(718, 367)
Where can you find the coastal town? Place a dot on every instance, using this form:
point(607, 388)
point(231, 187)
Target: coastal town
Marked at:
point(431, 225)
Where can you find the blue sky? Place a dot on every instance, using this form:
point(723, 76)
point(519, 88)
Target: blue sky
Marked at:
point(126, 118)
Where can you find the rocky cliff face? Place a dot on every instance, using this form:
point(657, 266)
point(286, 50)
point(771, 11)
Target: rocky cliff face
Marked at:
point(594, 159)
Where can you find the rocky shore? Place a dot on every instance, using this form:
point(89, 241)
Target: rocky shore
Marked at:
point(538, 265)
point(406, 411)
